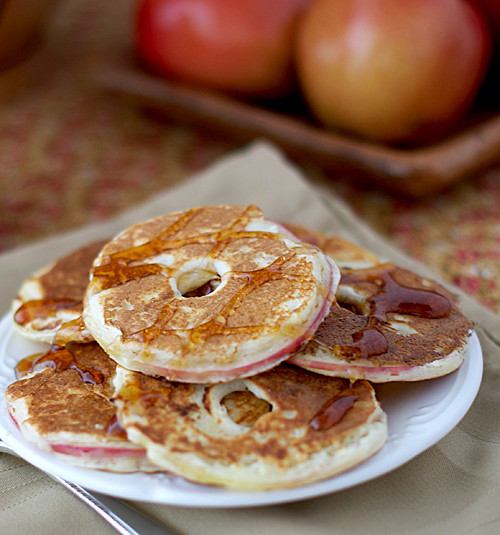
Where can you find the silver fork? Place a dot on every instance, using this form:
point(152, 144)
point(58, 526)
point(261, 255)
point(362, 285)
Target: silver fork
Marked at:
point(123, 518)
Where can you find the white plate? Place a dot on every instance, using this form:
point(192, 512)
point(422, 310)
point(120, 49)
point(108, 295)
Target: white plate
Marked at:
point(419, 414)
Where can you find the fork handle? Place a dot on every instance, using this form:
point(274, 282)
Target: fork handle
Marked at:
point(123, 518)
point(105, 512)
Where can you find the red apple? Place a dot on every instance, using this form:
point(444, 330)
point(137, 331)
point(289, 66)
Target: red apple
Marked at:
point(102, 452)
point(491, 86)
point(391, 70)
point(243, 46)
point(491, 11)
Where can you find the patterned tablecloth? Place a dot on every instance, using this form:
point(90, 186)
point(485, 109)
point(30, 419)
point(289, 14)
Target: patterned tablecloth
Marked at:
point(71, 154)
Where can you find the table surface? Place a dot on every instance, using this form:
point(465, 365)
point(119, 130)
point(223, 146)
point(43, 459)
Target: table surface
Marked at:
point(71, 154)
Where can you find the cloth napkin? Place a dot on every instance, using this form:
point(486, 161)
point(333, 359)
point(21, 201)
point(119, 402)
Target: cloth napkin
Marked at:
point(453, 487)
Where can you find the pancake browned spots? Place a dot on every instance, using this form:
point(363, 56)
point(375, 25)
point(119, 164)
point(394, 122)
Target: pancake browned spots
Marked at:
point(389, 324)
point(62, 403)
point(268, 293)
point(53, 296)
point(276, 429)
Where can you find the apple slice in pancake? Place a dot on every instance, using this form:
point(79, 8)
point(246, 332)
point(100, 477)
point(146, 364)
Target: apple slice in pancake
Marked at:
point(50, 302)
point(282, 428)
point(269, 293)
point(345, 253)
point(61, 403)
point(389, 324)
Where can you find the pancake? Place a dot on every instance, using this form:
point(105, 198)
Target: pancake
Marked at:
point(51, 300)
point(389, 324)
point(280, 429)
point(61, 403)
point(207, 295)
point(345, 253)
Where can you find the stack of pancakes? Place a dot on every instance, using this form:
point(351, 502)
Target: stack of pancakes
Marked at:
point(224, 348)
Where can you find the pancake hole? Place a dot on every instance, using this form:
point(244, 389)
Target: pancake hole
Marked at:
point(349, 306)
point(198, 283)
point(203, 290)
point(244, 407)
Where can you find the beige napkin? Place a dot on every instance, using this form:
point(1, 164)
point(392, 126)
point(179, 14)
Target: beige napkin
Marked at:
point(451, 488)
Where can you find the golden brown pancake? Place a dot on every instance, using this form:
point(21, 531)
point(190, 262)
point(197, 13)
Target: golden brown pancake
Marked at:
point(61, 403)
point(389, 324)
point(51, 300)
point(282, 428)
point(345, 253)
point(207, 295)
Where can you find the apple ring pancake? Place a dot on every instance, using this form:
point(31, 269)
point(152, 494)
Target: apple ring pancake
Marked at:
point(50, 302)
point(208, 294)
point(389, 324)
point(61, 403)
point(280, 429)
point(345, 253)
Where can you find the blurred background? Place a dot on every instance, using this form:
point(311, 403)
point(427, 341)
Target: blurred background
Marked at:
point(78, 144)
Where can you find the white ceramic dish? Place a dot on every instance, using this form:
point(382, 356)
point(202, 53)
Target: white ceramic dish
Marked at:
point(419, 414)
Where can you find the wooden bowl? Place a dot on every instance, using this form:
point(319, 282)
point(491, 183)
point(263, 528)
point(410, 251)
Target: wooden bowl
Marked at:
point(413, 172)
point(21, 22)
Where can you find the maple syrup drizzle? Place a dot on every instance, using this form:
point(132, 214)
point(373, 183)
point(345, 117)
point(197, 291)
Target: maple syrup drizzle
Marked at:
point(252, 281)
point(26, 366)
point(161, 243)
point(70, 330)
point(60, 359)
point(117, 270)
point(391, 296)
point(114, 274)
point(388, 297)
point(166, 241)
point(115, 428)
point(367, 343)
point(333, 411)
point(217, 325)
point(40, 308)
